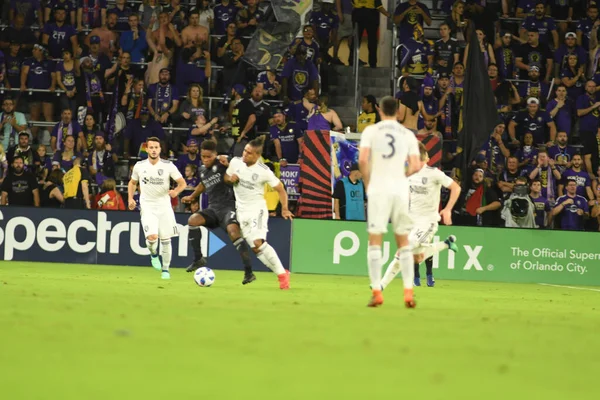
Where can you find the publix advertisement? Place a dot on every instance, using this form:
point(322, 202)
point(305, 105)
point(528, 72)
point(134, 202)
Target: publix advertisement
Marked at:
point(485, 254)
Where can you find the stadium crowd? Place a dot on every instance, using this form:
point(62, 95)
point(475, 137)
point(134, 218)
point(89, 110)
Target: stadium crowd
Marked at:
point(86, 82)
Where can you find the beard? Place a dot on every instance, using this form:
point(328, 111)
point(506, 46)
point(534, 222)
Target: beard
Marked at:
point(19, 170)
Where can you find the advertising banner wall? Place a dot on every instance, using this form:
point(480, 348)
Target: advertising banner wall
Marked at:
point(114, 238)
point(290, 176)
point(485, 254)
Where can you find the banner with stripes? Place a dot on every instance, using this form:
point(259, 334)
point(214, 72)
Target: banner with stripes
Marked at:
point(315, 177)
point(433, 144)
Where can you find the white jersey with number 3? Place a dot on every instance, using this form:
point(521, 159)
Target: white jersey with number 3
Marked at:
point(155, 181)
point(390, 145)
point(425, 188)
point(250, 190)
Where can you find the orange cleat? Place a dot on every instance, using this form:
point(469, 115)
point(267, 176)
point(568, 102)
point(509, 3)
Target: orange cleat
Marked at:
point(409, 298)
point(376, 300)
point(284, 280)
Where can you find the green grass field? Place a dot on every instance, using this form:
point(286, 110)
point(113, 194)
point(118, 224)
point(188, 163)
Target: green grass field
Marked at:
point(95, 332)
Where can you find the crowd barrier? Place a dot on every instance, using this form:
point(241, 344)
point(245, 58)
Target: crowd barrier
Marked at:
point(304, 246)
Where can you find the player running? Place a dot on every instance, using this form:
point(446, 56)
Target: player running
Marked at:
point(385, 149)
point(220, 211)
point(158, 219)
point(425, 188)
point(248, 176)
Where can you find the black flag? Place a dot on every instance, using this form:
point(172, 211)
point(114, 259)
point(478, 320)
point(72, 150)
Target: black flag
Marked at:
point(479, 114)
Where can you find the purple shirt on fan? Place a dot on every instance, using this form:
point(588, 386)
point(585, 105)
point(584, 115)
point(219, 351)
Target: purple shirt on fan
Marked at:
point(288, 137)
point(27, 8)
point(299, 77)
point(563, 118)
point(431, 106)
point(190, 182)
point(562, 53)
point(561, 154)
point(570, 220)
point(412, 18)
point(299, 114)
point(68, 77)
point(543, 26)
point(65, 165)
point(184, 160)
point(576, 90)
point(582, 179)
point(162, 96)
point(122, 17)
point(13, 70)
point(588, 122)
point(312, 50)
point(528, 6)
point(536, 124)
point(59, 38)
point(39, 76)
point(585, 27)
point(542, 207)
point(92, 12)
point(324, 23)
point(223, 16)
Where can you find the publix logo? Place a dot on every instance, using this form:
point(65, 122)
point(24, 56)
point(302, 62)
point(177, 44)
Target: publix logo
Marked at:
point(347, 244)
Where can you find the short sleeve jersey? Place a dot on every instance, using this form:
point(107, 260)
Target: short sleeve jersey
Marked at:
point(250, 190)
point(155, 181)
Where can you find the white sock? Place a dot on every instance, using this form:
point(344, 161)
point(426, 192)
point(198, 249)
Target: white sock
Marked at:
point(431, 249)
point(374, 257)
point(268, 256)
point(152, 245)
point(165, 252)
point(405, 259)
point(390, 273)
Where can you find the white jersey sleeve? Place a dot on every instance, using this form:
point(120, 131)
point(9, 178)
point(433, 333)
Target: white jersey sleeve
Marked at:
point(425, 189)
point(413, 145)
point(442, 179)
point(174, 172)
point(365, 139)
point(233, 164)
point(135, 173)
point(269, 177)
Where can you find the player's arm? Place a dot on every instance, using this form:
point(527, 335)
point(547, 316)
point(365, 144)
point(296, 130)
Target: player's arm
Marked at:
point(181, 185)
point(131, 186)
point(199, 189)
point(446, 213)
point(230, 177)
point(363, 164)
point(283, 199)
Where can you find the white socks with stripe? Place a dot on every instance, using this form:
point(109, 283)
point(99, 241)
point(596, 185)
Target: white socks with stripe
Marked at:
point(268, 256)
point(403, 261)
point(374, 260)
point(152, 246)
point(166, 253)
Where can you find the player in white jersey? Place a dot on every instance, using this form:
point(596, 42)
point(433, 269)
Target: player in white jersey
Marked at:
point(425, 189)
point(249, 175)
point(389, 153)
point(158, 219)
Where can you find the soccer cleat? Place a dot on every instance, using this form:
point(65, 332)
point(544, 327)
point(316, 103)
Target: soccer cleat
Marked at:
point(165, 275)
point(376, 299)
point(451, 242)
point(156, 264)
point(196, 264)
point(248, 278)
point(417, 281)
point(284, 280)
point(430, 281)
point(409, 298)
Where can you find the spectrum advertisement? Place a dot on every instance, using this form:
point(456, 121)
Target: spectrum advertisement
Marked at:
point(485, 254)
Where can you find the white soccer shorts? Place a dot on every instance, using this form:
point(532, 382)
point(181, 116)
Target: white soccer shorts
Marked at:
point(422, 235)
point(383, 208)
point(159, 222)
point(254, 224)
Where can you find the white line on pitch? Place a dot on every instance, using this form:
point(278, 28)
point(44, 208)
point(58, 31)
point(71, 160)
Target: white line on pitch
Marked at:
point(570, 287)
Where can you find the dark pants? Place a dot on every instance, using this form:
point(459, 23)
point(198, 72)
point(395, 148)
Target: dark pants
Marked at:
point(366, 19)
point(74, 203)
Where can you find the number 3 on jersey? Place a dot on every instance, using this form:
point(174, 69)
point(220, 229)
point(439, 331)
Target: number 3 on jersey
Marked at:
point(391, 143)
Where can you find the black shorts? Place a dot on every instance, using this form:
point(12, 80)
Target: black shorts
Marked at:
point(219, 218)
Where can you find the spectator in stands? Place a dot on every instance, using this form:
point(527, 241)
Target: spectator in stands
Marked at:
point(544, 25)
point(18, 33)
point(268, 81)
point(13, 61)
point(23, 150)
point(109, 37)
point(296, 112)
point(303, 73)
point(191, 157)
point(190, 174)
point(527, 154)
point(308, 43)
point(446, 50)
point(243, 118)
point(136, 133)
point(572, 208)
point(407, 15)
point(194, 67)
point(90, 130)
point(89, 88)
point(325, 23)
point(76, 186)
point(573, 77)
point(286, 137)
point(148, 12)
point(90, 14)
point(429, 129)
point(224, 43)
point(366, 16)
point(561, 110)
point(38, 73)
point(133, 39)
point(123, 13)
point(109, 198)
point(45, 166)
point(65, 79)
point(345, 31)
point(495, 151)
point(487, 50)
point(163, 98)
point(132, 100)
point(585, 25)
point(30, 9)
point(505, 93)
point(166, 33)
point(101, 162)
point(202, 129)
point(349, 197)
point(225, 13)
point(430, 103)
point(562, 153)
point(248, 18)
point(587, 111)
point(534, 88)
point(582, 179)
point(533, 120)
point(3, 164)
point(63, 159)
point(231, 60)
point(506, 54)
point(416, 55)
point(177, 13)
point(66, 127)
point(205, 13)
point(195, 35)
point(261, 109)
point(368, 115)
point(543, 209)
point(459, 25)
point(59, 35)
point(320, 116)
point(20, 188)
point(591, 154)
point(548, 174)
point(523, 9)
point(562, 11)
point(193, 105)
point(101, 63)
point(411, 106)
point(507, 177)
point(51, 196)
point(570, 47)
point(480, 204)
point(12, 123)
point(534, 53)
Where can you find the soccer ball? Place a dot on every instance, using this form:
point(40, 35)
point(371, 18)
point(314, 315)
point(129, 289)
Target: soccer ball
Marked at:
point(204, 277)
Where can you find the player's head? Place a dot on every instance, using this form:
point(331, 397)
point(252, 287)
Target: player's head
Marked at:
point(253, 151)
point(153, 147)
point(423, 152)
point(388, 107)
point(208, 153)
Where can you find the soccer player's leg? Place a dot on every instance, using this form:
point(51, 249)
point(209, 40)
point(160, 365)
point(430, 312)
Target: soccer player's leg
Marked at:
point(379, 210)
point(402, 223)
point(150, 224)
point(229, 222)
point(195, 223)
point(394, 268)
point(167, 229)
point(430, 249)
